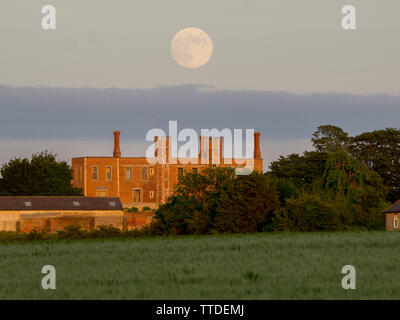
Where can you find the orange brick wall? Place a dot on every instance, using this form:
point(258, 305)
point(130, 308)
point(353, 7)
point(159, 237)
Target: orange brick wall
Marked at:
point(163, 179)
point(138, 220)
point(78, 173)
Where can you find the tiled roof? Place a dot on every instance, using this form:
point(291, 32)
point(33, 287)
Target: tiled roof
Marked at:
point(59, 203)
point(394, 208)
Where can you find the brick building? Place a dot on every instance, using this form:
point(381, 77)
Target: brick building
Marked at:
point(52, 214)
point(392, 217)
point(142, 183)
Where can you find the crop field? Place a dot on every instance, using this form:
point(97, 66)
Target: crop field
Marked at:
point(259, 266)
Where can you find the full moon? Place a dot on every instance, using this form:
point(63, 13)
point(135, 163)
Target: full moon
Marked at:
point(191, 48)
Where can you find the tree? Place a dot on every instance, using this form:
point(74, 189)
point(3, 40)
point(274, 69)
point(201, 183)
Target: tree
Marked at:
point(329, 138)
point(216, 201)
point(300, 170)
point(309, 212)
point(192, 206)
point(341, 183)
point(43, 175)
point(380, 151)
point(359, 190)
point(248, 206)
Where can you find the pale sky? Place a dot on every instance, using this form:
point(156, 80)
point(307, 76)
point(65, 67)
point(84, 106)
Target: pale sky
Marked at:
point(274, 45)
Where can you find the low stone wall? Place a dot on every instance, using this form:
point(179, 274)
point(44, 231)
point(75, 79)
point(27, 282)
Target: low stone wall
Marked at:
point(56, 221)
point(55, 224)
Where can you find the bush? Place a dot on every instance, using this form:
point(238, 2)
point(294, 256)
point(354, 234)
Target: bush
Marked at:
point(72, 232)
point(309, 213)
point(146, 209)
point(248, 206)
point(35, 235)
point(286, 189)
point(105, 231)
point(217, 202)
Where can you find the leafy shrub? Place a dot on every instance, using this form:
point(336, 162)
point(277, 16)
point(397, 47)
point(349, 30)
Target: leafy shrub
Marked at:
point(217, 202)
point(146, 208)
point(35, 235)
point(309, 213)
point(72, 232)
point(286, 189)
point(247, 206)
point(105, 231)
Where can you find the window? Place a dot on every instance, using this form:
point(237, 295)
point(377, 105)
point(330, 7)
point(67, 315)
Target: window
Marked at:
point(109, 173)
point(195, 170)
point(81, 173)
point(180, 171)
point(151, 171)
point(144, 173)
point(137, 195)
point(112, 203)
point(76, 203)
point(395, 222)
point(28, 204)
point(101, 192)
point(151, 194)
point(128, 173)
point(95, 173)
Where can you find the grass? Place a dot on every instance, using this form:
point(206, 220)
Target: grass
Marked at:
point(259, 266)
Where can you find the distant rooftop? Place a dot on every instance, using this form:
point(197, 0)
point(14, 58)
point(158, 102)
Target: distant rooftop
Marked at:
point(59, 203)
point(394, 208)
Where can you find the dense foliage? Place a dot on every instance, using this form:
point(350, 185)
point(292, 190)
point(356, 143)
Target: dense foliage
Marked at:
point(329, 138)
point(346, 191)
point(309, 213)
point(43, 175)
point(380, 151)
point(345, 183)
point(216, 201)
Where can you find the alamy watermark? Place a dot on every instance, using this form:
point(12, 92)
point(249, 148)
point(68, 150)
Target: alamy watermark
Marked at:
point(49, 280)
point(213, 146)
point(348, 21)
point(349, 280)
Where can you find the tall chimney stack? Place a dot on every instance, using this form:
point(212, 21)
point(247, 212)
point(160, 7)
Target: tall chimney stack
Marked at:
point(257, 152)
point(117, 151)
point(204, 147)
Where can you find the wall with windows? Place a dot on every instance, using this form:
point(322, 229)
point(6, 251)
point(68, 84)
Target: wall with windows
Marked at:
point(136, 182)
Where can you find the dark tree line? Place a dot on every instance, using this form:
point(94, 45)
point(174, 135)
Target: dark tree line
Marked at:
point(42, 175)
point(379, 150)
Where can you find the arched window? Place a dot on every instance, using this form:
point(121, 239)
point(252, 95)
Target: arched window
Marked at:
point(396, 222)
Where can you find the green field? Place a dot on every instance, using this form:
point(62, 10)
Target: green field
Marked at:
point(260, 266)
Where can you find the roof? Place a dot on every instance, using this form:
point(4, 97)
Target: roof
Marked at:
point(393, 208)
point(59, 203)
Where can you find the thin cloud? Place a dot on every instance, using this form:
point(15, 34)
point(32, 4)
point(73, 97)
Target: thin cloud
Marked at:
point(69, 113)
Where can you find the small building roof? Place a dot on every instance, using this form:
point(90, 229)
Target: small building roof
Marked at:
point(59, 203)
point(393, 208)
